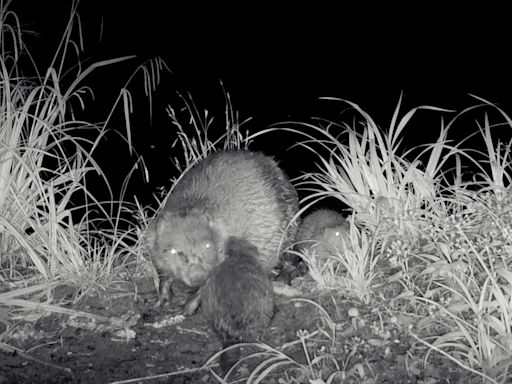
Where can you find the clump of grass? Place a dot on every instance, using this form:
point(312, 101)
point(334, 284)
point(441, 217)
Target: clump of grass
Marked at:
point(348, 268)
point(45, 160)
point(195, 138)
point(388, 195)
point(443, 237)
point(476, 316)
point(366, 171)
point(471, 289)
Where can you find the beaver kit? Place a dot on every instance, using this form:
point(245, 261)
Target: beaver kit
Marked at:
point(229, 193)
point(237, 298)
point(322, 231)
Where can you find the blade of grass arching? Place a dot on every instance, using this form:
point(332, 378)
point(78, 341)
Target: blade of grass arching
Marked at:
point(334, 183)
point(81, 76)
point(235, 138)
point(405, 120)
point(360, 171)
point(128, 110)
point(424, 188)
point(434, 165)
point(52, 230)
point(381, 172)
point(11, 126)
point(36, 259)
point(394, 119)
point(75, 171)
point(272, 367)
point(451, 339)
point(504, 300)
point(376, 137)
point(310, 137)
point(497, 157)
point(151, 78)
point(372, 127)
point(28, 290)
point(352, 105)
point(61, 54)
point(347, 179)
point(486, 102)
point(486, 133)
point(479, 339)
point(200, 145)
point(14, 32)
point(7, 155)
point(466, 367)
point(45, 229)
point(65, 41)
point(50, 308)
point(151, 70)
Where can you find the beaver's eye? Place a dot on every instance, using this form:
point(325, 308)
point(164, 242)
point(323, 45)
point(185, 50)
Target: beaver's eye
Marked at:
point(207, 245)
point(337, 233)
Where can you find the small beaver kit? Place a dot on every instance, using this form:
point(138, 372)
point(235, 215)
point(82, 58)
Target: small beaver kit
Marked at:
point(237, 298)
point(323, 231)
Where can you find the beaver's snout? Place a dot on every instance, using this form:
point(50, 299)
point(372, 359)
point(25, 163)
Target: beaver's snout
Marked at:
point(196, 275)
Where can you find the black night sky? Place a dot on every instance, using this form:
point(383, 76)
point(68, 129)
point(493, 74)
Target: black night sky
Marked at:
point(276, 61)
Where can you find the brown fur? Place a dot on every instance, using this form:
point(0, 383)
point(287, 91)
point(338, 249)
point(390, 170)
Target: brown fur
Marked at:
point(237, 298)
point(234, 193)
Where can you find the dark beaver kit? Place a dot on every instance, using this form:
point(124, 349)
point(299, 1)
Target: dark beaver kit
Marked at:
point(237, 298)
point(229, 193)
point(323, 231)
point(314, 224)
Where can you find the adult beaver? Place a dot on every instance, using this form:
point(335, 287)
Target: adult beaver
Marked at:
point(229, 193)
point(237, 298)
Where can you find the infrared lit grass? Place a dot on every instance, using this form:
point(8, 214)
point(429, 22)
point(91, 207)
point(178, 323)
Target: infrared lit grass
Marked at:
point(48, 214)
point(423, 277)
point(436, 239)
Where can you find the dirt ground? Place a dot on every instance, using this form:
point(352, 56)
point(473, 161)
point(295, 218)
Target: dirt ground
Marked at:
point(368, 348)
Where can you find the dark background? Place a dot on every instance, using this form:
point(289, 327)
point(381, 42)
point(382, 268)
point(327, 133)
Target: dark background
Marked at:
point(276, 61)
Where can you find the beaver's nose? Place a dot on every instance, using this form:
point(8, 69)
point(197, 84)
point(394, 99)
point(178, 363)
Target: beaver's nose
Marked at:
point(195, 275)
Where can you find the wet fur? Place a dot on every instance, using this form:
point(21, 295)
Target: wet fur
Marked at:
point(233, 193)
point(237, 298)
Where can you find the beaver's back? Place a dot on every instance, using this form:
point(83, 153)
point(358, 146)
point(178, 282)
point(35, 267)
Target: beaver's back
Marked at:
point(245, 194)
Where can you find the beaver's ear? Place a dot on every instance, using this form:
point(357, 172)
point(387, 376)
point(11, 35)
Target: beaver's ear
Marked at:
point(155, 228)
point(220, 234)
point(217, 227)
point(163, 223)
point(149, 236)
point(324, 231)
